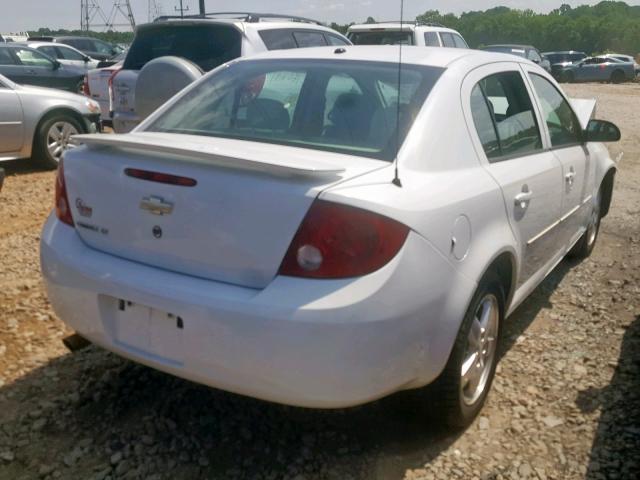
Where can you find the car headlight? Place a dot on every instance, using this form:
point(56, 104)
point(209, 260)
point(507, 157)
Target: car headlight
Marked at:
point(93, 107)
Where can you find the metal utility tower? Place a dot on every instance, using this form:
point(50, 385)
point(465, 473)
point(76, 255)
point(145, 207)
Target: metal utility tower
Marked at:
point(154, 10)
point(92, 15)
point(181, 9)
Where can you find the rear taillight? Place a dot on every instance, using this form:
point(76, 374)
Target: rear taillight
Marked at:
point(63, 208)
point(85, 86)
point(339, 241)
point(110, 87)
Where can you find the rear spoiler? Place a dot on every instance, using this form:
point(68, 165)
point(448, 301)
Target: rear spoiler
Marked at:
point(215, 151)
point(585, 109)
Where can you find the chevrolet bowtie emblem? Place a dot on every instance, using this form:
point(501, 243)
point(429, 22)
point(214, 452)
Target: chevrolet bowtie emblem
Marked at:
point(156, 206)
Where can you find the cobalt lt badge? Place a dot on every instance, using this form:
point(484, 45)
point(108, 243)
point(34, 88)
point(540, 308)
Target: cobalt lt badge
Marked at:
point(157, 232)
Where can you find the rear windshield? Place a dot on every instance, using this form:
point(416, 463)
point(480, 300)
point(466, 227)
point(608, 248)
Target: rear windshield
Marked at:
point(208, 46)
point(565, 57)
point(340, 106)
point(381, 37)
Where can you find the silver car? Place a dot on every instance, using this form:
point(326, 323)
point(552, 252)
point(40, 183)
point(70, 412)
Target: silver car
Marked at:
point(40, 122)
point(598, 69)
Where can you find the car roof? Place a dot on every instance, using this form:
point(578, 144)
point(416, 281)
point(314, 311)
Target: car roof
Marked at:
point(240, 24)
point(427, 56)
point(366, 27)
point(509, 45)
point(563, 52)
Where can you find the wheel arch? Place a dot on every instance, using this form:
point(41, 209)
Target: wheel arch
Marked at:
point(606, 188)
point(75, 114)
point(504, 266)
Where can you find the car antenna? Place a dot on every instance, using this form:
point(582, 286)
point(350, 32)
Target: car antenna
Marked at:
point(396, 177)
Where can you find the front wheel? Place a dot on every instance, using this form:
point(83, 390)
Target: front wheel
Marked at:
point(587, 242)
point(617, 77)
point(54, 137)
point(460, 391)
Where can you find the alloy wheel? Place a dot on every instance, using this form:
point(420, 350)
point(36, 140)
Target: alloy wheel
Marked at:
point(60, 138)
point(480, 353)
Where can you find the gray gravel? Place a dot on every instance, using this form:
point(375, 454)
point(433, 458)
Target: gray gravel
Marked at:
point(565, 403)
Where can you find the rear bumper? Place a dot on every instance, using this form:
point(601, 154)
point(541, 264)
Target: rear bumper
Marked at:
point(310, 343)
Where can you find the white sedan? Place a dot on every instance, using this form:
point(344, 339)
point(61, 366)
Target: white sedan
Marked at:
point(304, 228)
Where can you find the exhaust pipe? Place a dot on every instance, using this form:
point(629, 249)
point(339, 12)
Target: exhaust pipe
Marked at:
point(75, 342)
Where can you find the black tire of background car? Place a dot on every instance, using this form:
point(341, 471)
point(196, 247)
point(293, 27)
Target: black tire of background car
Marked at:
point(568, 77)
point(617, 76)
point(444, 396)
point(1, 177)
point(40, 152)
point(583, 248)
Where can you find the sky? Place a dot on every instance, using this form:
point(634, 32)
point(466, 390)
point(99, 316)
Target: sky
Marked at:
point(21, 15)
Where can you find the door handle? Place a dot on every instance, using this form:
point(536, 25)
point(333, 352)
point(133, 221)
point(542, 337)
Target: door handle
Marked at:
point(523, 198)
point(570, 177)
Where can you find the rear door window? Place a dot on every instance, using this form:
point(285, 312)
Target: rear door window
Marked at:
point(280, 39)
point(447, 40)
point(459, 41)
point(306, 39)
point(512, 115)
point(51, 51)
point(431, 39)
point(208, 46)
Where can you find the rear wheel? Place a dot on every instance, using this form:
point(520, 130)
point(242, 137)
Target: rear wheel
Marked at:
point(460, 391)
point(587, 242)
point(617, 76)
point(565, 77)
point(54, 137)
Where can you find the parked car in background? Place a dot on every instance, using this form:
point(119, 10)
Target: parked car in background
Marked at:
point(40, 122)
point(525, 51)
point(92, 47)
point(30, 67)
point(300, 226)
point(64, 54)
point(598, 69)
point(624, 58)
point(113, 60)
point(98, 85)
point(198, 44)
point(405, 33)
point(561, 59)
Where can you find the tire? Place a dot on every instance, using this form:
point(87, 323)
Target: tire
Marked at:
point(617, 76)
point(55, 132)
point(587, 242)
point(453, 399)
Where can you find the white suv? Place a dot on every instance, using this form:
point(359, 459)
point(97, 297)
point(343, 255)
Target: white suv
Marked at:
point(206, 42)
point(406, 33)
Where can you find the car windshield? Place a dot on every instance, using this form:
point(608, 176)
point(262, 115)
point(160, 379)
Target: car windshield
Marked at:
point(521, 52)
point(208, 46)
point(564, 57)
point(340, 106)
point(381, 37)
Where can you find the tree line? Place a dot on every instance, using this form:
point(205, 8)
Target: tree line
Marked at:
point(607, 26)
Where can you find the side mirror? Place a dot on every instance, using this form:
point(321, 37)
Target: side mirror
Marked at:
point(602, 131)
point(86, 59)
point(56, 65)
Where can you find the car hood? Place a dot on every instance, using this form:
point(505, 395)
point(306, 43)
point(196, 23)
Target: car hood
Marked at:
point(52, 95)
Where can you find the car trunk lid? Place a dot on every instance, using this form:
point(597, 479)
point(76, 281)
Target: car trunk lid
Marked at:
point(234, 225)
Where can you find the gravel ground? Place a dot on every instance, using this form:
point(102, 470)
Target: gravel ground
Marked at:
point(565, 403)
